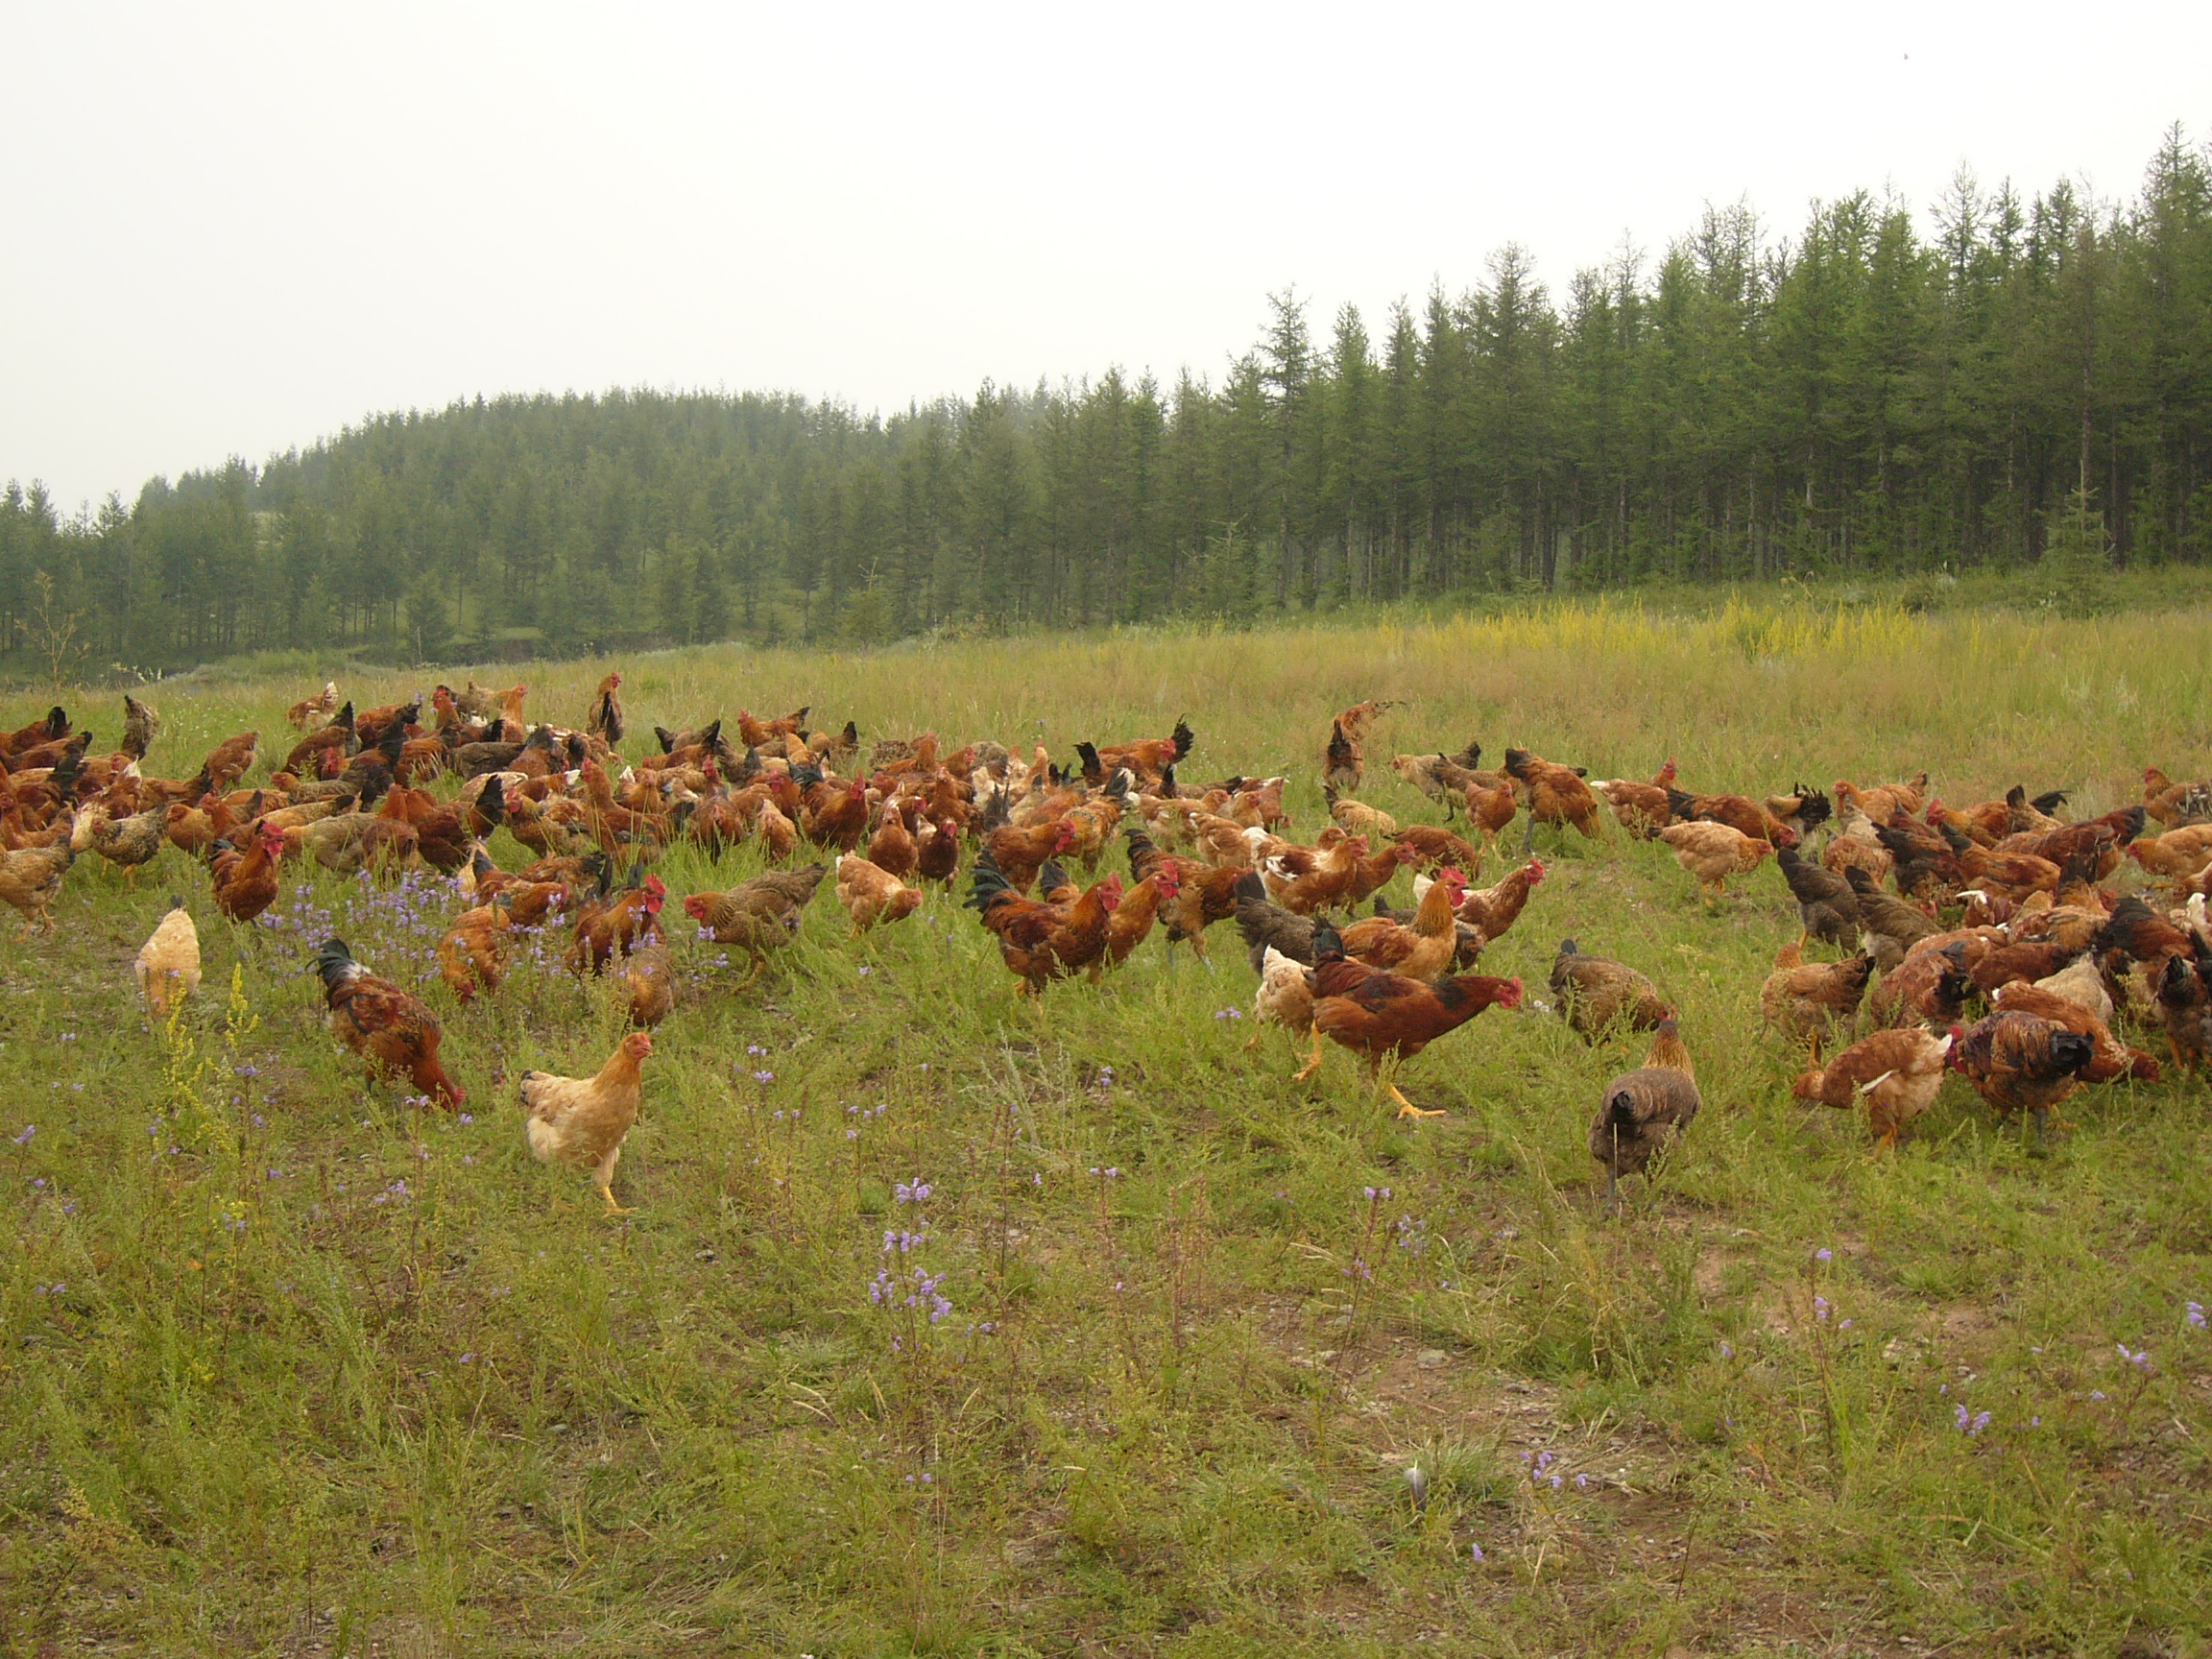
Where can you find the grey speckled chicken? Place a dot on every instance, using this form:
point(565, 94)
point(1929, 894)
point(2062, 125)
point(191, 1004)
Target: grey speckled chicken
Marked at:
point(1645, 1111)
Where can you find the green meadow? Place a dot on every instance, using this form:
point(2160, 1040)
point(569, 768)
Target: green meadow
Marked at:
point(290, 1366)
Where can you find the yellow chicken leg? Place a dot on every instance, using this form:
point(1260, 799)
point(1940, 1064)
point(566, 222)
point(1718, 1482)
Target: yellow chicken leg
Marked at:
point(1407, 1108)
point(604, 1179)
point(1312, 1064)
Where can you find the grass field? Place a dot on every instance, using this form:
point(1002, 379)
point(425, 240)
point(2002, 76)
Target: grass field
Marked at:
point(289, 1367)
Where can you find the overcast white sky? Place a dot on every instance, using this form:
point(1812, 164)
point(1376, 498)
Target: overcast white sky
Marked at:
point(234, 229)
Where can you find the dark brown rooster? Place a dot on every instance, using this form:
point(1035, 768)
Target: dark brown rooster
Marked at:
point(2021, 1063)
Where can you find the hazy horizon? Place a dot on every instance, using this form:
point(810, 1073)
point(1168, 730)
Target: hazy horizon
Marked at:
point(245, 235)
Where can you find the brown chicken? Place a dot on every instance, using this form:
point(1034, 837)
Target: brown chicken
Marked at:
point(647, 979)
point(1896, 1073)
point(1438, 847)
point(1594, 993)
point(1713, 853)
point(1805, 1000)
point(1926, 987)
point(1885, 802)
point(1887, 926)
point(1420, 949)
point(759, 915)
point(580, 1121)
point(605, 721)
point(1383, 1016)
point(1372, 872)
point(892, 849)
point(246, 881)
point(769, 733)
point(872, 893)
point(232, 760)
point(391, 1029)
point(473, 950)
point(1151, 757)
point(2183, 989)
point(1305, 880)
point(1204, 895)
point(1018, 852)
point(312, 713)
point(1495, 909)
point(1357, 817)
point(445, 836)
point(937, 851)
point(2112, 1060)
point(1640, 808)
point(2023, 963)
point(2021, 1063)
point(1042, 942)
point(1136, 914)
point(1343, 765)
point(338, 737)
point(1926, 867)
point(616, 923)
point(2013, 875)
point(1739, 812)
point(834, 813)
point(373, 726)
point(1554, 794)
point(124, 842)
point(1985, 825)
point(2174, 805)
point(1443, 778)
point(2177, 854)
point(1645, 1111)
point(350, 842)
point(2138, 932)
point(2095, 844)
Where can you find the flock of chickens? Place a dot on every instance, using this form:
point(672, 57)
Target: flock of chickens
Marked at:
point(2000, 909)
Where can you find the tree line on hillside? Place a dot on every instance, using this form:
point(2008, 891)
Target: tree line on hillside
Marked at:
point(1862, 398)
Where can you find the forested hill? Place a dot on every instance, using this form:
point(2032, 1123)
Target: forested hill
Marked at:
point(1874, 392)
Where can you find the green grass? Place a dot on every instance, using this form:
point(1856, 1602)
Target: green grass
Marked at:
point(264, 1400)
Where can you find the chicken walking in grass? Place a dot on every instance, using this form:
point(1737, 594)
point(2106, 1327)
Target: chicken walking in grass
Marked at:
point(391, 1029)
point(1594, 992)
point(759, 915)
point(872, 893)
point(1896, 1073)
point(2021, 1063)
point(1805, 1000)
point(580, 1121)
point(1645, 1111)
point(1383, 1016)
point(1713, 853)
point(31, 881)
point(167, 968)
point(1285, 999)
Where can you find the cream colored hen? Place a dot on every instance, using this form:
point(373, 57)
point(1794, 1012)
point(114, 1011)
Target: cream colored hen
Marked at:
point(872, 893)
point(168, 965)
point(1713, 853)
point(580, 1121)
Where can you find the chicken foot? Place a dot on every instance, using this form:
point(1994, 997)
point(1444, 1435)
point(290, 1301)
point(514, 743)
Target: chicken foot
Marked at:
point(603, 1177)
